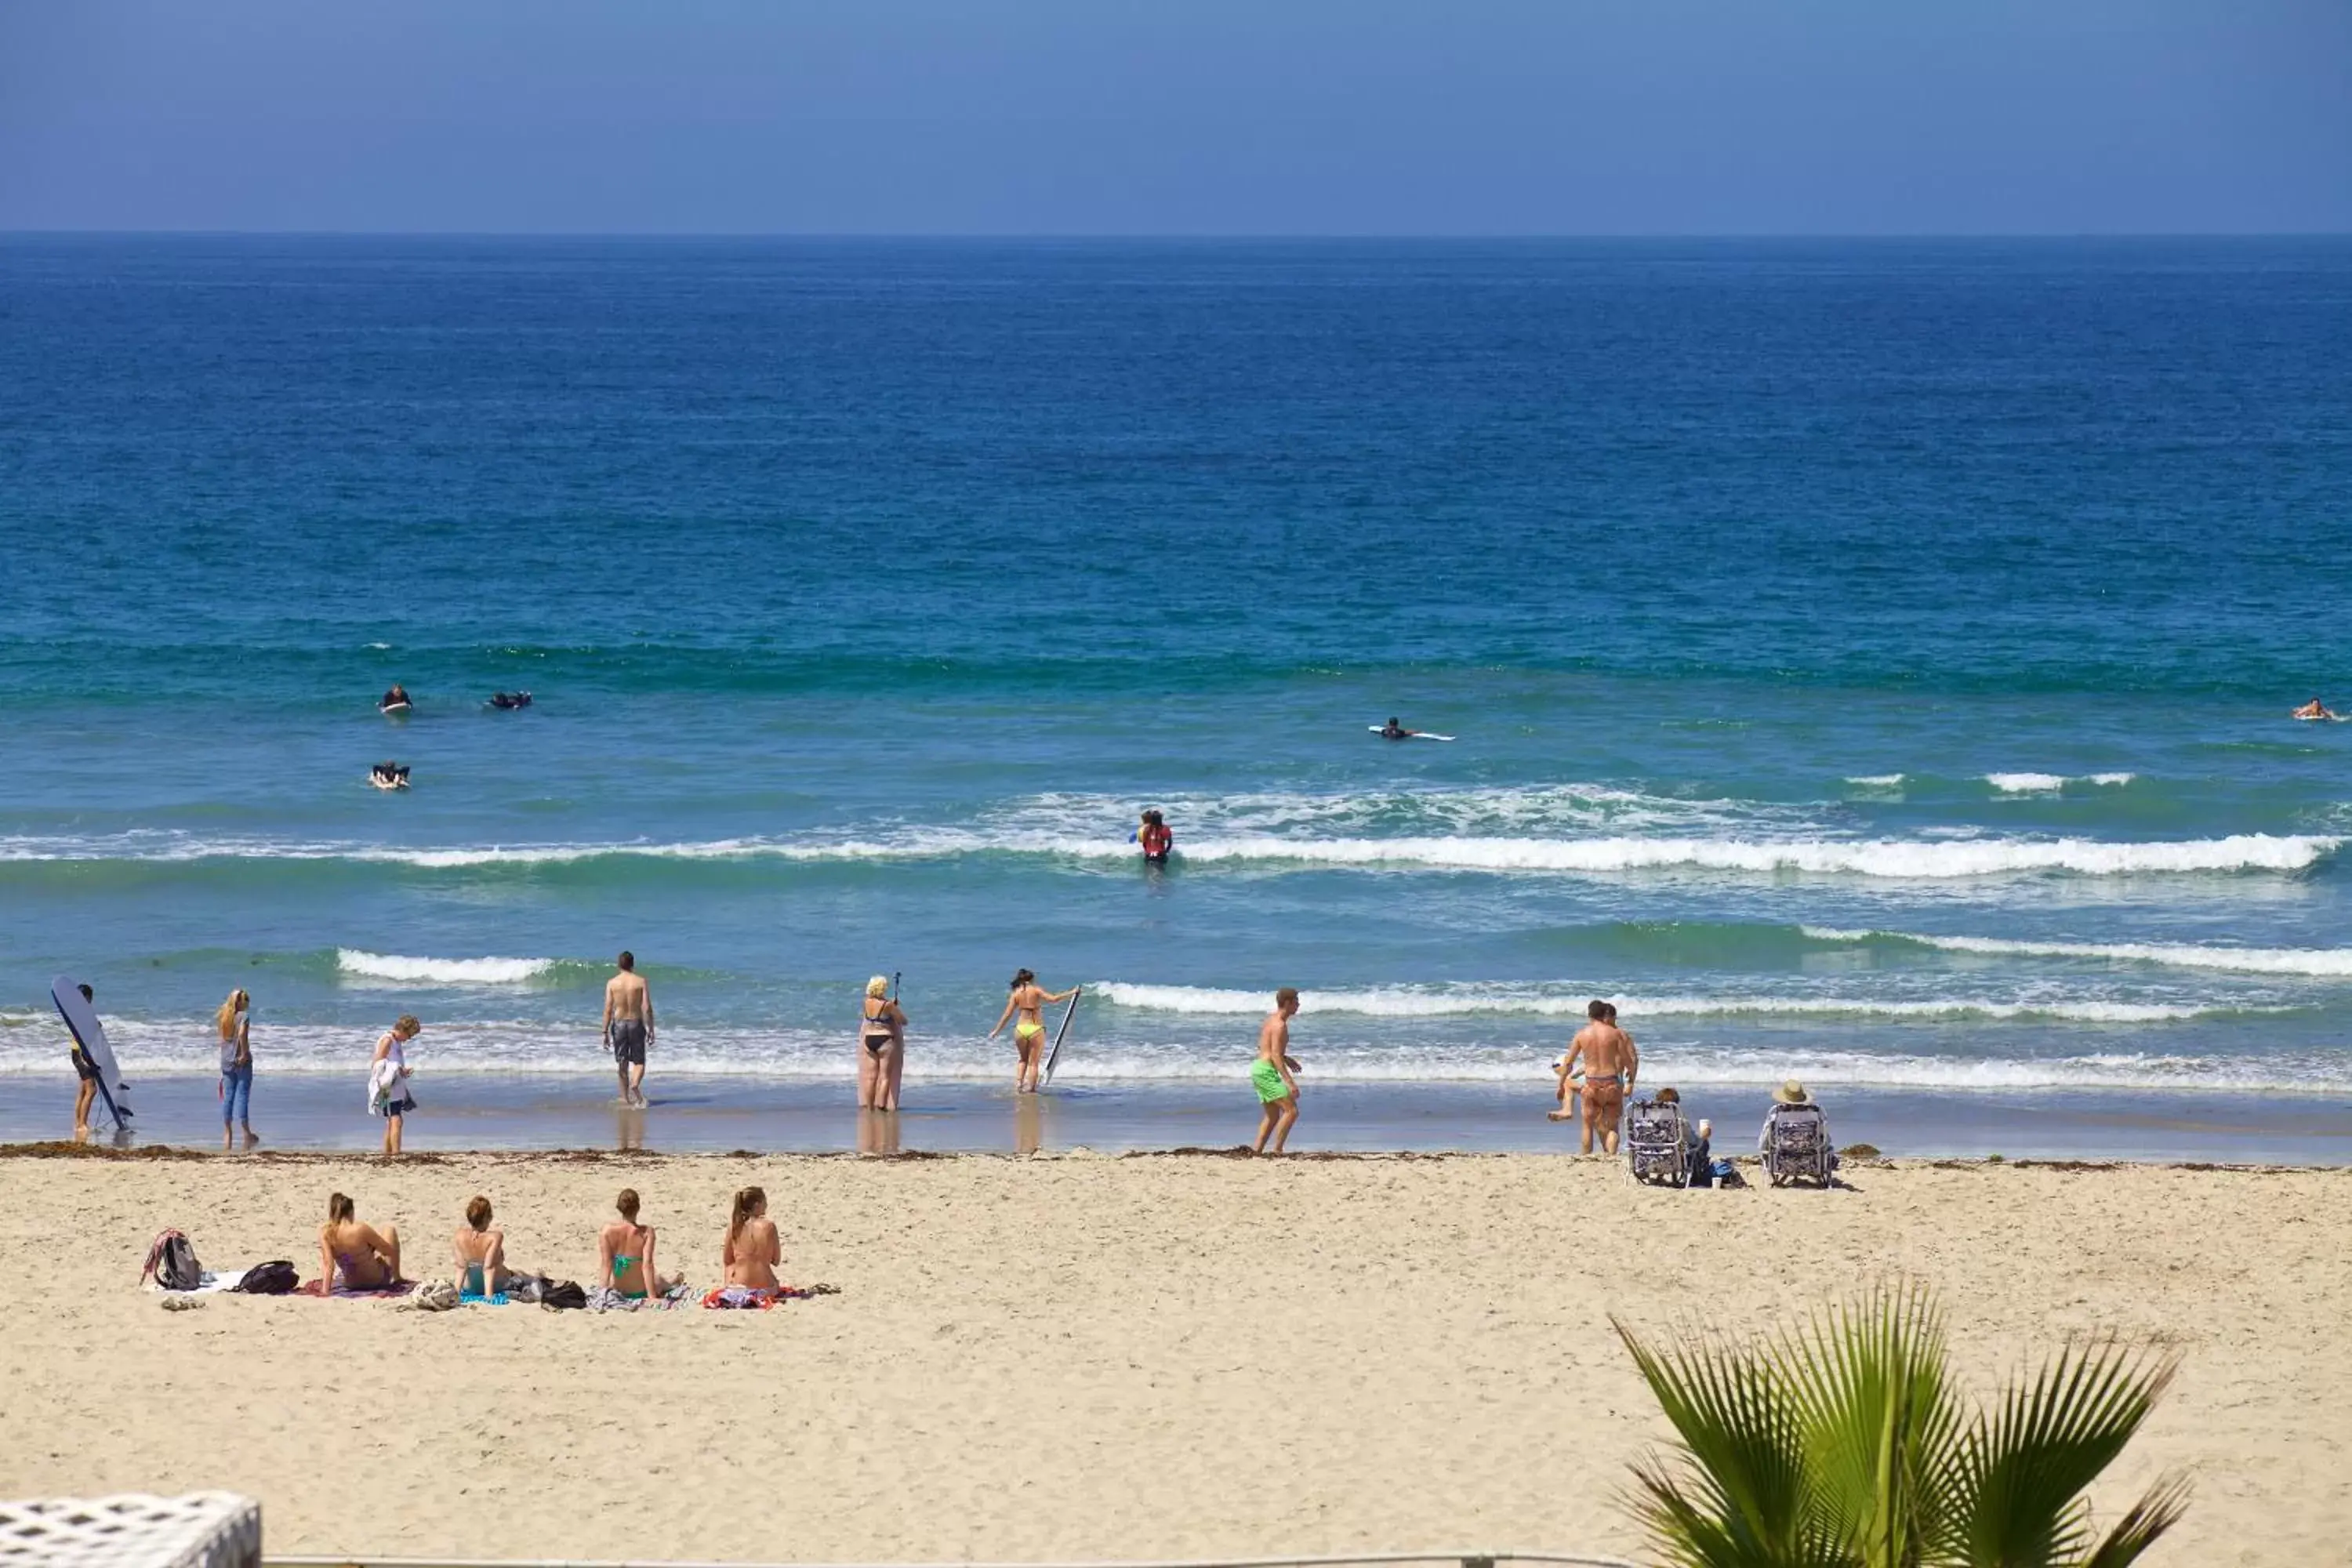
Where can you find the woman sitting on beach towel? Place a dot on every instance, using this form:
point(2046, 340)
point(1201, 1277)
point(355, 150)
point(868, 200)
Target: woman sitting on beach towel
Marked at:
point(753, 1249)
point(481, 1253)
point(628, 1254)
point(355, 1257)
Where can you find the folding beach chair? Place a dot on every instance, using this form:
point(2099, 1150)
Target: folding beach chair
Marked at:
point(1657, 1146)
point(1797, 1146)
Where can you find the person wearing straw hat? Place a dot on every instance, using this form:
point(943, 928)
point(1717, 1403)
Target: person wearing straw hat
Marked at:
point(1790, 1092)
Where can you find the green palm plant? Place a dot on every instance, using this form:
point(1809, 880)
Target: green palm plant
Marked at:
point(1841, 1444)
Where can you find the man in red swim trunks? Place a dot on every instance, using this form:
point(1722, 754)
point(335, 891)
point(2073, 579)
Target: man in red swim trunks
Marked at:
point(1610, 1064)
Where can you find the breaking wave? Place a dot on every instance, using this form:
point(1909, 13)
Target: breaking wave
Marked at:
point(2324, 961)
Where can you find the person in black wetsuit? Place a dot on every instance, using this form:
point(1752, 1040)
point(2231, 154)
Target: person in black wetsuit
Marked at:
point(395, 698)
point(1392, 731)
point(510, 700)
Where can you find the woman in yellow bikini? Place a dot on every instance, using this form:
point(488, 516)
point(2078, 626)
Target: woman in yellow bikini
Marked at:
point(1029, 999)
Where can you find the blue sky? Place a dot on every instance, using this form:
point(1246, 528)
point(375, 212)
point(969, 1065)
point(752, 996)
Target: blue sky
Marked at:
point(1111, 117)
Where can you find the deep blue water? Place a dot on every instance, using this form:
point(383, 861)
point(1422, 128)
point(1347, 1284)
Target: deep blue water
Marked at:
point(1778, 595)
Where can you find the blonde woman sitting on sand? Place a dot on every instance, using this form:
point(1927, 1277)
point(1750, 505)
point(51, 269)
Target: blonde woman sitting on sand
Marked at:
point(355, 1257)
point(628, 1254)
point(753, 1249)
point(481, 1253)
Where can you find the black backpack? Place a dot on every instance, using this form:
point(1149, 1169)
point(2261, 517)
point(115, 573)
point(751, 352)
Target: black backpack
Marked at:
point(173, 1261)
point(565, 1297)
point(275, 1278)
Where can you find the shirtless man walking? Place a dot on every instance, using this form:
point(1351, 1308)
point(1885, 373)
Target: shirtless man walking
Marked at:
point(1610, 1064)
point(629, 1027)
point(1272, 1074)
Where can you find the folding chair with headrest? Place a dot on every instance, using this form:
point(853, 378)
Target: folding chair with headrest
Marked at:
point(1797, 1146)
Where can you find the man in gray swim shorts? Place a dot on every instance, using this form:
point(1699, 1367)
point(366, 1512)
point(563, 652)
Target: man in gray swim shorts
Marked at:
point(629, 1027)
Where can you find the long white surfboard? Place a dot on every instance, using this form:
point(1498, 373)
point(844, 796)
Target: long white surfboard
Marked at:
point(1062, 1034)
point(90, 1035)
point(1416, 735)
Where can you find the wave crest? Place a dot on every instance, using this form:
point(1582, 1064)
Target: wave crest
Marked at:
point(395, 969)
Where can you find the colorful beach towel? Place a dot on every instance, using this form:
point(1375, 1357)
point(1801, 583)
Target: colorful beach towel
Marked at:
point(743, 1298)
point(318, 1290)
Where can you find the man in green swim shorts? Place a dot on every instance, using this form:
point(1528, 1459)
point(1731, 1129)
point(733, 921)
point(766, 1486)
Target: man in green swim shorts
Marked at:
point(1277, 1091)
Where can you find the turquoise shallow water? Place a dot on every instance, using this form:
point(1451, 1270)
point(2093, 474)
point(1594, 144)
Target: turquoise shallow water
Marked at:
point(1868, 661)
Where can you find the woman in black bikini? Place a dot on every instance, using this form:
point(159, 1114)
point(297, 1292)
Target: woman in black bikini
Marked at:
point(881, 1048)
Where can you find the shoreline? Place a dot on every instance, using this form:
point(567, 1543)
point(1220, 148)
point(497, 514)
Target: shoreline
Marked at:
point(523, 1112)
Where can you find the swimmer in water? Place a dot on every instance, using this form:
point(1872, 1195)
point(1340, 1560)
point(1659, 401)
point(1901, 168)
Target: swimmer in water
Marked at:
point(1392, 731)
point(2314, 709)
point(388, 775)
point(510, 700)
point(1155, 839)
point(395, 698)
point(1028, 999)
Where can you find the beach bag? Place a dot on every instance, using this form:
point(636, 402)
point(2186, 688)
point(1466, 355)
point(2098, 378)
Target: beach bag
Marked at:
point(565, 1297)
point(173, 1262)
point(273, 1279)
point(434, 1296)
point(1727, 1175)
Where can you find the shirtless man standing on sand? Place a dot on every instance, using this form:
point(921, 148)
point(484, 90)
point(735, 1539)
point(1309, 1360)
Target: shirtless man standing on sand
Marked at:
point(1610, 1064)
point(1271, 1074)
point(629, 1027)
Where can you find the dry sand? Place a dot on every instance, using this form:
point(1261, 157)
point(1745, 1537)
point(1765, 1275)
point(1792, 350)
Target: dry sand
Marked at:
point(1080, 1357)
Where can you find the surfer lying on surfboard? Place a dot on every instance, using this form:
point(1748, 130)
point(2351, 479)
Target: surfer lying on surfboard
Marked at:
point(388, 775)
point(394, 701)
point(2314, 709)
point(1392, 731)
point(1028, 999)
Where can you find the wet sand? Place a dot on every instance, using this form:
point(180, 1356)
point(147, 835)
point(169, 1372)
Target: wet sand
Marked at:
point(1083, 1357)
point(711, 1114)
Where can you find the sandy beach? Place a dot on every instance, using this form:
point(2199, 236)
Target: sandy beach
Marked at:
point(1079, 1356)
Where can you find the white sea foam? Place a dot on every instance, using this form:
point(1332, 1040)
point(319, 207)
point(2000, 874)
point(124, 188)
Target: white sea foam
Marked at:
point(2324, 962)
point(461, 1048)
point(1466, 1001)
point(1868, 858)
point(1876, 781)
point(391, 968)
point(2052, 783)
point(1937, 857)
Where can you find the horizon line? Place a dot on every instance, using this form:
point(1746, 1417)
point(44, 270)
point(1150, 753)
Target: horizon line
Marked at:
point(1178, 236)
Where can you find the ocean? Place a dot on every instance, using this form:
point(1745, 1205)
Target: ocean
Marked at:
point(1869, 662)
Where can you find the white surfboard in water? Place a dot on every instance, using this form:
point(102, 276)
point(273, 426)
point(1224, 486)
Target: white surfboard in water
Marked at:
point(1062, 1034)
point(1416, 735)
point(90, 1035)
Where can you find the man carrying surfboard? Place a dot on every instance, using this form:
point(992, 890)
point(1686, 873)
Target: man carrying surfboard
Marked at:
point(87, 1094)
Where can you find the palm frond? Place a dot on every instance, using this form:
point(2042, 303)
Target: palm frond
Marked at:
point(1880, 1427)
point(2025, 1466)
point(1741, 1497)
point(2149, 1518)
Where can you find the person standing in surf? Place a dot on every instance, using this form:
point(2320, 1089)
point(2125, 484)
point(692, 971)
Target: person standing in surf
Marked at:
point(1154, 837)
point(881, 1048)
point(235, 1021)
point(87, 1071)
point(1272, 1075)
point(1029, 999)
point(388, 1073)
point(628, 1027)
point(1610, 1064)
